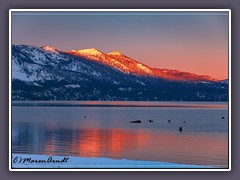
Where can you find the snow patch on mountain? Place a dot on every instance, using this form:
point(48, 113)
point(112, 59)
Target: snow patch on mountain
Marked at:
point(18, 73)
point(96, 74)
point(72, 86)
point(115, 53)
point(116, 82)
point(146, 69)
point(225, 81)
point(50, 49)
point(140, 82)
point(125, 89)
point(91, 53)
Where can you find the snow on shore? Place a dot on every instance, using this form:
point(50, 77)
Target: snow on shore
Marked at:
point(45, 161)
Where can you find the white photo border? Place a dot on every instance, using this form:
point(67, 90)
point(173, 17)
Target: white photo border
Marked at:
point(120, 10)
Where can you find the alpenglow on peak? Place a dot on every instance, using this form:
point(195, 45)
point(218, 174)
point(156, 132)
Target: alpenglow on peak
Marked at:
point(115, 53)
point(49, 48)
point(87, 51)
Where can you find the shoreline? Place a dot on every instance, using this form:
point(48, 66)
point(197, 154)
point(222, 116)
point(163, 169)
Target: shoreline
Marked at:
point(161, 104)
point(28, 161)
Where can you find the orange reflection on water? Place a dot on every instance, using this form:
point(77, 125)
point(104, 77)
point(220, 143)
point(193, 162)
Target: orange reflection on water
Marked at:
point(121, 140)
point(107, 143)
point(50, 147)
point(185, 148)
point(89, 145)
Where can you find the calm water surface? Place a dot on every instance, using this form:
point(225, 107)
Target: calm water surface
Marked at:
point(93, 129)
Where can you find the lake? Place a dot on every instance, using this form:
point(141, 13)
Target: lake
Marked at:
point(103, 129)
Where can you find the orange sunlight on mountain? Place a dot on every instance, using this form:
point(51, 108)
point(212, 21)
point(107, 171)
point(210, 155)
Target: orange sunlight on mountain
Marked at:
point(119, 61)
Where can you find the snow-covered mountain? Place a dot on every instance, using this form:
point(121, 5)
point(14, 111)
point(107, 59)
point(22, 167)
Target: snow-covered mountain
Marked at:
point(132, 66)
point(127, 65)
point(45, 73)
point(225, 81)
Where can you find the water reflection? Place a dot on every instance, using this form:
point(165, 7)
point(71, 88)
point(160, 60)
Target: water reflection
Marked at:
point(143, 144)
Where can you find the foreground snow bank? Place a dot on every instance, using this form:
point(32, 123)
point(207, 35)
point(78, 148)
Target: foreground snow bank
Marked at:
point(45, 161)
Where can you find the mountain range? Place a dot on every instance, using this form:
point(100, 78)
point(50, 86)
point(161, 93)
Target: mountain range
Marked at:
point(45, 73)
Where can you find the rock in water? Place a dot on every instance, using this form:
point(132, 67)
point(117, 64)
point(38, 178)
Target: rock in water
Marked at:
point(137, 121)
point(150, 121)
point(223, 117)
point(169, 121)
point(180, 129)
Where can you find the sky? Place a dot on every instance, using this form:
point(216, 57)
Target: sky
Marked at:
point(195, 42)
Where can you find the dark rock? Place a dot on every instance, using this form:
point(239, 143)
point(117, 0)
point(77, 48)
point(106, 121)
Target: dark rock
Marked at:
point(150, 121)
point(223, 117)
point(184, 121)
point(180, 129)
point(84, 116)
point(169, 121)
point(137, 121)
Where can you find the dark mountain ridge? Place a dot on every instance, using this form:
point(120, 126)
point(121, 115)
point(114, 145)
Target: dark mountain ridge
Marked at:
point(45, 73)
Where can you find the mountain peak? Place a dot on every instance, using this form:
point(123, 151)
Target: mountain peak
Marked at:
point(115, 53)
point(90, 54)
point(49, 48)
point(87, 51)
